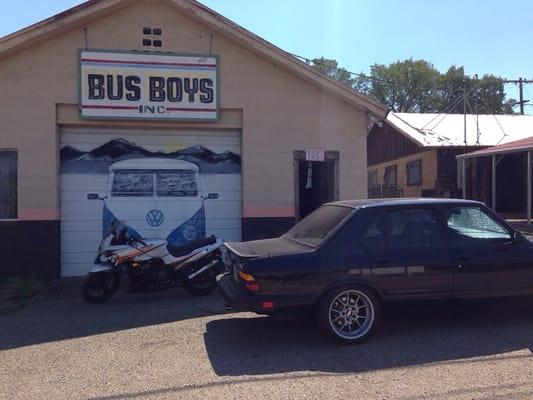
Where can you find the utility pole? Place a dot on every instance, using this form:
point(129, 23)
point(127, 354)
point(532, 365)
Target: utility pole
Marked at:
point(464, 108)
point(520, 82)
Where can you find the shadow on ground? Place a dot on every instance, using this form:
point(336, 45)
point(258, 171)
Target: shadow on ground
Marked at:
point(409, 335)
point(65, 315)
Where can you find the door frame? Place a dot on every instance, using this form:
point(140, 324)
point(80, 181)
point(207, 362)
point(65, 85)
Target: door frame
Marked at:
point(299, 155)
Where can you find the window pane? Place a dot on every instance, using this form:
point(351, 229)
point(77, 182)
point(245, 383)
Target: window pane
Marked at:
point(413, 228)
point(374, 236)
point(372, 178)
point(467, 223)
point(390, 175)
point(8, 184)
point(133, 183)
point(414, 176)
point(314, 228)
point(177, 184)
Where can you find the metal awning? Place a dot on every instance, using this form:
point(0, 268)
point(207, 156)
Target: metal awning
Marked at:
point(511, 147)
point(522, 145)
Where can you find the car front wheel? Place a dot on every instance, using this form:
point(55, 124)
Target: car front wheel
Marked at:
point(349, 314)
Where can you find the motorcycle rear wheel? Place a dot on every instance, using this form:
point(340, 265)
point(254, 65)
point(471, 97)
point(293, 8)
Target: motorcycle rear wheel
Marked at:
point(100, 286)
point(203, 285)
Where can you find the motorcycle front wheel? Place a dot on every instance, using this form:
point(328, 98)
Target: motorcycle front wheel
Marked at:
point(100, 286)
point(202, 285)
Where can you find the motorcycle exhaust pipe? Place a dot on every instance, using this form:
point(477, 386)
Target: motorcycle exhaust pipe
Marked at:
point(203, 269)
point(228, 307)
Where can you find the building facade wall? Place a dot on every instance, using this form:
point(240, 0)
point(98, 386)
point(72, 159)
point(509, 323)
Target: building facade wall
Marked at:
point(429, 172)
point(280, 113)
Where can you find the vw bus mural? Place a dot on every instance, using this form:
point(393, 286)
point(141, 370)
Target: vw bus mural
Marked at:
point(156, 197)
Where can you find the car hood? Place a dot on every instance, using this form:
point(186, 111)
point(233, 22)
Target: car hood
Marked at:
point(267, 247)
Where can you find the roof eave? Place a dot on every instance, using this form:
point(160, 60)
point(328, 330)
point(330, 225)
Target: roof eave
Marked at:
point(57, 24)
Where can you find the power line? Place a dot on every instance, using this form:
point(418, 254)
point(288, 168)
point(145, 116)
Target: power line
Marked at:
point(337, 69)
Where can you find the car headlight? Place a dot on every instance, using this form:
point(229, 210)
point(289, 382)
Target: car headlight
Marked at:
point(190, 233)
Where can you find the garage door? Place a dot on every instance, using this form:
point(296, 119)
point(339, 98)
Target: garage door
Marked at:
point(156, 181)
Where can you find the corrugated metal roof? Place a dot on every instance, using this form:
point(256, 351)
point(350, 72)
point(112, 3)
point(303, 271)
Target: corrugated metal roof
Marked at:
point(511, 147)
point(436, 130)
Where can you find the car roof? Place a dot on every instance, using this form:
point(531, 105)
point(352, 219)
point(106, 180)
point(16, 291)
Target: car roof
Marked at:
point(155, 163)
point(416, 201)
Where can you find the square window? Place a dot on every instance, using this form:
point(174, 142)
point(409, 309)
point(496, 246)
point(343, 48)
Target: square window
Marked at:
point(391, 175)
point(414, 172)
point(147, 31)
point(147, 42)
point(372, 178)
point(158, 43)
point(158, 31)
point(8, 184)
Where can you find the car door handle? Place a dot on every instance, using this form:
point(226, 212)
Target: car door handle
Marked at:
point(382, 261)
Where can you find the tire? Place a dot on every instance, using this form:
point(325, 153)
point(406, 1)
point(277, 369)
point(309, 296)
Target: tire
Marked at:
point(349, 314)
point(100, 286)
point(203, 285)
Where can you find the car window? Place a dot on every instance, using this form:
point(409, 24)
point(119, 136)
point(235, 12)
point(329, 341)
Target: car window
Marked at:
point(176, 184)
point(317, 225)
point(374, 235)
point(412, 228)
point(467, 225)
point(133, 183)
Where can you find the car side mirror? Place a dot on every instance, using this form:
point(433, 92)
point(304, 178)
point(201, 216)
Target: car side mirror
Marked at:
point(211, 196)
point(93, 196)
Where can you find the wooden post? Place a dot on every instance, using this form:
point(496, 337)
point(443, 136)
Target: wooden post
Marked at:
point(464, 177)
point(493, 199)
point(529, 187)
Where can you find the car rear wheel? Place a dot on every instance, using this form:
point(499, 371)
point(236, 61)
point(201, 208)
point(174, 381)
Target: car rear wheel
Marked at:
point(349, 314)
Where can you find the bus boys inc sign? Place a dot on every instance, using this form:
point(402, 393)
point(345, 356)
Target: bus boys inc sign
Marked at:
point(124, 85)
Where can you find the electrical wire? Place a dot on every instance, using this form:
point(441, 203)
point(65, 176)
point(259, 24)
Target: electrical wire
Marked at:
point(501, 127)
point(310, 61)
point(448, 109)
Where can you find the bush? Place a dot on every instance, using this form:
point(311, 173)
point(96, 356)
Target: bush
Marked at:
point(24, 288)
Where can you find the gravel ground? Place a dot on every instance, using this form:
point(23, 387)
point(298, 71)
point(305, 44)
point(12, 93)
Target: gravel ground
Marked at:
point(169, 345)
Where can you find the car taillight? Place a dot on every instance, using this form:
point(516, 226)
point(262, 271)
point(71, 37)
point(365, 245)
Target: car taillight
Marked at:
point(249, 281)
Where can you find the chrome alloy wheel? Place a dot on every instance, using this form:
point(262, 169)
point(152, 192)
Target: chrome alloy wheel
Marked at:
point(351, 314)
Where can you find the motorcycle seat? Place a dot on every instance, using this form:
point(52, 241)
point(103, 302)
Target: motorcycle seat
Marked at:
point(180, 251)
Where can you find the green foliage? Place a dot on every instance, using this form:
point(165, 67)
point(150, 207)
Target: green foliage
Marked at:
point(24, 288)
point(417, 86)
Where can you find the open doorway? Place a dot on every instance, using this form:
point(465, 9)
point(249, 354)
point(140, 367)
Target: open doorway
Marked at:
point(316, 182)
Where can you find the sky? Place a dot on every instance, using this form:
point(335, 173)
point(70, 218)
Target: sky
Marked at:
point(484, 36)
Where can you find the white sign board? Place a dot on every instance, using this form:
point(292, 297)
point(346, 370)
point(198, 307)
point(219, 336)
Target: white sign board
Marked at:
point(314, 155)
point(125, 85)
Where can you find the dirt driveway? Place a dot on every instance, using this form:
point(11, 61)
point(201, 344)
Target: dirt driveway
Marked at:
point(169, 345)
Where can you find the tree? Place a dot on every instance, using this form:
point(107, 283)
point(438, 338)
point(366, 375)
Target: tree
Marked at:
point(417, 86)
point(405, 86)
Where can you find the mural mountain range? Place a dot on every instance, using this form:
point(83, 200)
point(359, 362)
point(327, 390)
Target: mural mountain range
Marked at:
point(99, 158)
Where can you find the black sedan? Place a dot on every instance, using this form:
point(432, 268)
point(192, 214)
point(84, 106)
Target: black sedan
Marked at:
point(348, 257)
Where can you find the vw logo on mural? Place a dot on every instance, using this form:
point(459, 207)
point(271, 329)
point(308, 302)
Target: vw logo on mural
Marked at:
point(154, 218)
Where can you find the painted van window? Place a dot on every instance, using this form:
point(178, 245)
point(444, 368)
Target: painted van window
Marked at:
point(8, 184)
point(133, 183)
point(176, 184)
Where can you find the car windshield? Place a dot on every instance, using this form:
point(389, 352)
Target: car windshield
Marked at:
point(314, 228)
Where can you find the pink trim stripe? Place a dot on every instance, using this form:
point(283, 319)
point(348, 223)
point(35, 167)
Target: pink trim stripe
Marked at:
point(276, 211)
point(38, 214)
point(112, 107)
point(192, 109)
point(147, 63)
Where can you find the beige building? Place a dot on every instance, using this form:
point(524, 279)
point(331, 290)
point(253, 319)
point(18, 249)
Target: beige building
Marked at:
point(199, 103)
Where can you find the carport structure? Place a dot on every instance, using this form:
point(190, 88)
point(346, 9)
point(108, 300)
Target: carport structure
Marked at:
point(522, 147)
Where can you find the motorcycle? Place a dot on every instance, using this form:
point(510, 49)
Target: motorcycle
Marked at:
point(152, 264)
